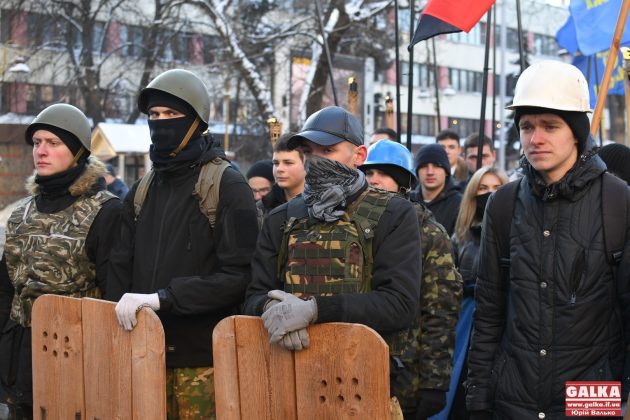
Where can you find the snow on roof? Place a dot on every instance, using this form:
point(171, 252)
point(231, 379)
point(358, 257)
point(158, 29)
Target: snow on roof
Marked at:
point(126, 138)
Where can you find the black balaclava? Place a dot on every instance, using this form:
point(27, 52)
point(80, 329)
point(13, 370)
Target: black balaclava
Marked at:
point(167, 135)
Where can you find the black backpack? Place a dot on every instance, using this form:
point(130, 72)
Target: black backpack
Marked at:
point(614, 210)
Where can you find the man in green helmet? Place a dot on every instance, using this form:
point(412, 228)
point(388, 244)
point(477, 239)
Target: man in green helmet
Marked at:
point(189, 231)
point(58, 240)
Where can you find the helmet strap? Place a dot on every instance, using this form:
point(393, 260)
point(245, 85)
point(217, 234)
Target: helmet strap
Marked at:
point(187, 137)
point(76, 157)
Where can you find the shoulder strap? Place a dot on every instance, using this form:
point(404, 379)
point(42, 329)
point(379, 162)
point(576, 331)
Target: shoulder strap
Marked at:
point(614, 210)
point(208, 186)
point(296, 210)
point(502, 209)
point(141, 192)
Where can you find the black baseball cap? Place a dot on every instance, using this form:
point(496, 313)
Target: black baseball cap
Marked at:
point(329, 126)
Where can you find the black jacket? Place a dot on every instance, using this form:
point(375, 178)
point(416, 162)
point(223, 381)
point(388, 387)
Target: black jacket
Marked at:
point(562, 316)
point(445, 206)
point(201, 274)
point(467, 254)
point(392, 305)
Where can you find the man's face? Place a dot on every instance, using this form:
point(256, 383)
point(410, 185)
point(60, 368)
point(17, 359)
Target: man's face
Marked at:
point(343, 152)
point(288, 169)
point(549, 145)
point(432, 177)
point(50, 154)
point(164, 113)
point(260, 186)
point(379, 179)
point(487, 159)
point(453, 150)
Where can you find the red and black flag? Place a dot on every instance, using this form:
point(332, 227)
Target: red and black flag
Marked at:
point(447, 16)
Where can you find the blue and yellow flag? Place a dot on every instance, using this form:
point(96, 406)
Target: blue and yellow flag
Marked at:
point(587, 66)
point(595, 22)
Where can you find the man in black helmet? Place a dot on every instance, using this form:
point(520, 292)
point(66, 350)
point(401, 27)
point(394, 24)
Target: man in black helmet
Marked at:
point(337, 212)
point(189, 231)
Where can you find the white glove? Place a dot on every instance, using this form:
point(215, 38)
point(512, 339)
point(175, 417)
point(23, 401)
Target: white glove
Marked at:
point(290, 314)
point(296, 340)
point(131, 303)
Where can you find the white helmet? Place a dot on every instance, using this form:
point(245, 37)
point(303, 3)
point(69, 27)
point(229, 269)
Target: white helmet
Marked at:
point(554, 85)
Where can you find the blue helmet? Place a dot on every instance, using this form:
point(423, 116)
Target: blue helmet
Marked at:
point(394, 159)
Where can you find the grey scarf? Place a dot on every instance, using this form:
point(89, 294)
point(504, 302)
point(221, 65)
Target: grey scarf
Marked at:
point(328, 185)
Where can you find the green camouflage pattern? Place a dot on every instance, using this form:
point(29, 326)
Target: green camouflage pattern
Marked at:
point(190, 393)
point(325, 259)
point(45, 253)
point(429, 351)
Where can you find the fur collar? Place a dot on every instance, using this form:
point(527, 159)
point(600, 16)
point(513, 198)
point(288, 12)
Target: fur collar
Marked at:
point(85, 183)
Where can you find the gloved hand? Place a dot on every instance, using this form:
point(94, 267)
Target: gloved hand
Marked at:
point(432, 401)
point(481, 415)
point(291, 314)
point(296, 340)
point(131, 303)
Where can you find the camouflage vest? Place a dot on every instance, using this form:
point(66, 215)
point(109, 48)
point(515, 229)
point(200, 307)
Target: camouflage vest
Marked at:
point(325, 259)
point(46, 253)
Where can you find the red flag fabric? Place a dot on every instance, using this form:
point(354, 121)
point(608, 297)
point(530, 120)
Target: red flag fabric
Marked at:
point(446, 16)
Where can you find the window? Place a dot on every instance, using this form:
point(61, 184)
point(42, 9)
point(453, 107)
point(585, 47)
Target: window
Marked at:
point(422, 75)
point(465, 80)
point(545, 45)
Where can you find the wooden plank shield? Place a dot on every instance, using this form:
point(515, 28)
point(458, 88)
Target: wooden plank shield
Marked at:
point(87, 366)
point(343, 375)
point(57, 339)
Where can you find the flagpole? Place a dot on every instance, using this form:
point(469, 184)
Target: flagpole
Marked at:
point(494, 72)
point(410, 89)
point(519, 27)
point(327, 50)
point(437, 89)
point(613, 53)
point(597, 91)
point(398, 116)
point(484, 90)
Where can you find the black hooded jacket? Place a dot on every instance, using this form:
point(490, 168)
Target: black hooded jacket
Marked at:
point(562, 316)
point(201, 274)
point(445, 206)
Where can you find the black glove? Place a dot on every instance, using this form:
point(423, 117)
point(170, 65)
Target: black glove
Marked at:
point(481, 415)
point(432, 401)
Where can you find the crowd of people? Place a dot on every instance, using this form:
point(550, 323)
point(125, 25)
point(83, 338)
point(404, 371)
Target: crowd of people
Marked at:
point(490, 294)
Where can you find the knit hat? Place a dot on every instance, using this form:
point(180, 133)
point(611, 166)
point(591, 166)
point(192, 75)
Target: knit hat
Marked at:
point(263, 169)
point(617, 159)
point(433, 153)
point(577, 121)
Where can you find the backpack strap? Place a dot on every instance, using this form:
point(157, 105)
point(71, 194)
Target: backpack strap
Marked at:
point(141, 192)
point(208, 186)
point(614, 211)
point(502, 209)
point(206, 189)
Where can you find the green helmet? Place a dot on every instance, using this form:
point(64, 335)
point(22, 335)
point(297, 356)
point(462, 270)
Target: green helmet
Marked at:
point(182, 84)
point(66, 117)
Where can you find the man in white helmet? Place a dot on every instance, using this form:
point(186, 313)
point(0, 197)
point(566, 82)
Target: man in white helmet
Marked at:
point(553, 296)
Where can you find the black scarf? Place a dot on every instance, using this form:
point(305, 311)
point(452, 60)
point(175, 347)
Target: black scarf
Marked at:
point(327, 187)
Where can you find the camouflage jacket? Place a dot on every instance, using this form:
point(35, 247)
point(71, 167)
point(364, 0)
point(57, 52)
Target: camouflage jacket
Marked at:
point(47, 252)
point(428, 356)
